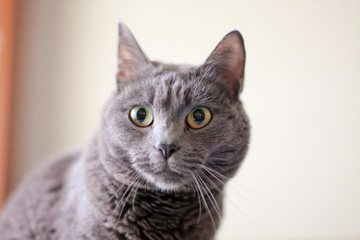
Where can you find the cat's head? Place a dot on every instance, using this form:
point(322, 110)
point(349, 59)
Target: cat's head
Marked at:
point(175, 126)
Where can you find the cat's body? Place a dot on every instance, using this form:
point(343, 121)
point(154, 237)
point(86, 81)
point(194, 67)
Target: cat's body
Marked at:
point(162, 180)
point(63, 199)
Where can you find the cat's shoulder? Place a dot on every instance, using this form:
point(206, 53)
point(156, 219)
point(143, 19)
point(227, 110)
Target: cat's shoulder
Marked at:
point(50, 172)
point(37, 198)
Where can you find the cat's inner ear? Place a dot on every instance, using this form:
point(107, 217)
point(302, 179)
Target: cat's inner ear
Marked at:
point(228, 59)
point(130, 56)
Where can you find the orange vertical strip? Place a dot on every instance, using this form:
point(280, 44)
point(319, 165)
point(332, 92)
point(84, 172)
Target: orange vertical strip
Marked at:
point(7, 39)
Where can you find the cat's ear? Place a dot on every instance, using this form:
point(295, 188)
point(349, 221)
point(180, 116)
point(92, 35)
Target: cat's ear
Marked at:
point(130, 56)
point(228, 60)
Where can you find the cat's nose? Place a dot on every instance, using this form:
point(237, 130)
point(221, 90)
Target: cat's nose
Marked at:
point(167, 149)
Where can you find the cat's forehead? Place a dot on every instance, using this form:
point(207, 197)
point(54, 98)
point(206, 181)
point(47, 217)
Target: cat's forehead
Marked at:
point(173, 87)
point(180, 87)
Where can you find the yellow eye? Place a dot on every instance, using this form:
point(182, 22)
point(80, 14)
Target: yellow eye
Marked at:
point(198, 117)
point(141, 116)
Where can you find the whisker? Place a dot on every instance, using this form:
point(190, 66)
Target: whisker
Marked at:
point(213, 171)
point(202, 196)
point(232, 182)
point(127, 198)
point(211, 197)
point(227, 199)
point(121, 186)
point(126, 192)
point(122, 197)
point(231, 202)
point(198, 196)
point(212, 183)
point(229, 183)
point(116, 192)
point(133, 200)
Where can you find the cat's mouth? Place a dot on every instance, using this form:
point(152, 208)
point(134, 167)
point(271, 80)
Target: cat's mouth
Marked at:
point(164, 175)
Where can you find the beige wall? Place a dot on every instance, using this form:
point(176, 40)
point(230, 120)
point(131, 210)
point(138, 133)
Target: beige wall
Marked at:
point(301, 176)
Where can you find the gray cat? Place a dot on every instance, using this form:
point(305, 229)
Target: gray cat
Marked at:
point(170, 138)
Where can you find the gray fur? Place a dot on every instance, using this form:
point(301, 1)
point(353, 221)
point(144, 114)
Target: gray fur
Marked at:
point(120, 186)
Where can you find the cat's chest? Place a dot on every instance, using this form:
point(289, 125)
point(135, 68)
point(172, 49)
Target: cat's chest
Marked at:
point(144, 215)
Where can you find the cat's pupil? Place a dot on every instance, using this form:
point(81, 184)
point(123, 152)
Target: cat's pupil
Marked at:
point(141, 115)
point(199, 116)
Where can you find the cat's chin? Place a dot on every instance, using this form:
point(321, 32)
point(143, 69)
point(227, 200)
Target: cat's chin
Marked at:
point(166, 186)
point(164, 182)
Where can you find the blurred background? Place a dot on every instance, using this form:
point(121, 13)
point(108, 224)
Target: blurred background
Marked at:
point(300, 179)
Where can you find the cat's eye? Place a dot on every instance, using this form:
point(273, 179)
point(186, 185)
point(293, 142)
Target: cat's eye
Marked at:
point(198, 117)
point(141, 116)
